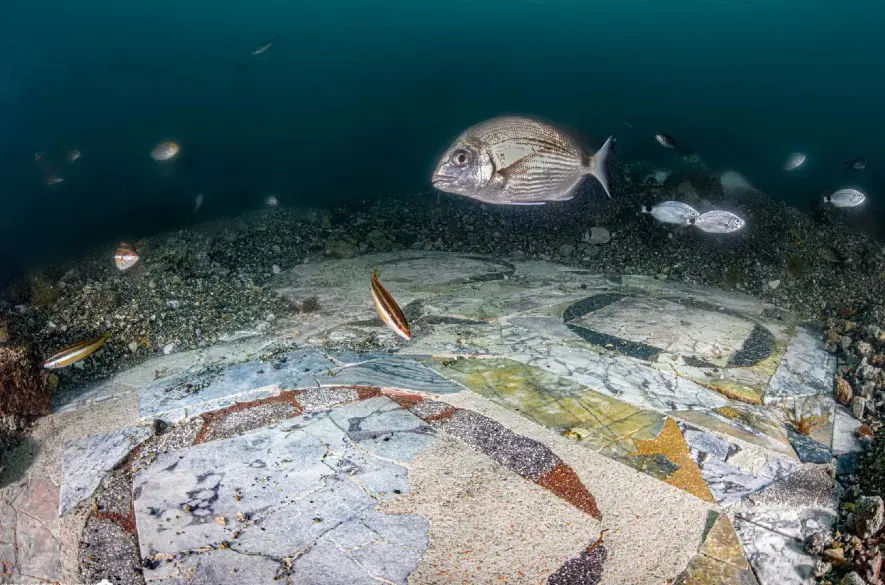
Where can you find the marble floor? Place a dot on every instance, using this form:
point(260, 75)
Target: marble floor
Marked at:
point(544, 424)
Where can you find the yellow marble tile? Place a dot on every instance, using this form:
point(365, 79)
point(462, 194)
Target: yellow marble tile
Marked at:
point(721, 543)
point(671, 444)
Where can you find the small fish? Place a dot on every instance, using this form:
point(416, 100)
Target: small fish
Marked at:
point(675, 212)
point(262, 48)
point(165, 151)
point(517, 161)
point(198, 202)
point(126, 256)
point(74, 155)
point(831, 254)
point(858, 164)
point(665, 140)
point(51, 175)
point(718, 222)
point(271, 201)
point(629, 123)
point(76, 352)
point(846, 198)
point(54, 180)
point(794, 161)
point(388, 309)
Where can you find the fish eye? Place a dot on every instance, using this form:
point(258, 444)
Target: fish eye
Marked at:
point(460, 158)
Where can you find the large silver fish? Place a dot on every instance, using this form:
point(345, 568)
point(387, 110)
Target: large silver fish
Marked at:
point(675, 212)
point(517, 161)
point(846, 198)
point(718, 222)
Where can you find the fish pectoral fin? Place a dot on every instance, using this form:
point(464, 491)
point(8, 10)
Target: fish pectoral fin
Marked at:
point(503, 175)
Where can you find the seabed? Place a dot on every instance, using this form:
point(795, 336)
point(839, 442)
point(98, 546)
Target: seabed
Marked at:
point(545, 425)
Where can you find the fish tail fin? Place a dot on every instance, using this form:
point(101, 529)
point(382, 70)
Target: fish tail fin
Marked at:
point(645, 209)
point(597, 165)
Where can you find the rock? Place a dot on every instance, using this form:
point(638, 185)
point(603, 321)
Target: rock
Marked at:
point(863, 349)
point(844, 393)
point(599, 235)
point(340, 249)
point(821, 568)
point(773, 284)
point(270, 318)
point(275, 269)
point(566, 250)
point(858, 406)
point(869, 516)
point(845, 343)
point(276, 249)
point(817, 542)
point(24, 391)
point(168, 348)
point(377, 240)
point(173, 304)
point(79, 366)
point(866, 389)
point(873, 568)
point(133, 346)
point(852, 578)
point(326, 223)
point(834, 556)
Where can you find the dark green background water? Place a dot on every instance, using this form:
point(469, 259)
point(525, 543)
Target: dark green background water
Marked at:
point(358, 99)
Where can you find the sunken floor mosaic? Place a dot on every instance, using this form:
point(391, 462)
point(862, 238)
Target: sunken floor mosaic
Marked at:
point(544, 425)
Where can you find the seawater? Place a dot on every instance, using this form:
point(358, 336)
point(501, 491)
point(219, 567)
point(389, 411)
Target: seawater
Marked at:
point(358, 99)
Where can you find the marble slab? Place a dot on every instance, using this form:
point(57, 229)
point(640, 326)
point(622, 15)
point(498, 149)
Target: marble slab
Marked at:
point(86, 461)
point(312, 483)
point(806, 369)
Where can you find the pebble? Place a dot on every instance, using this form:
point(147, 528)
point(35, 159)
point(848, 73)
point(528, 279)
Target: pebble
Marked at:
point(599, 235)
point(275, 269)
point(133, 346)
point(858, 406)
point(566, 250)
point(270, 318)
point(869, 516)
point(168, 348)
point(773, 284)
point(852, 578)
point(173, 304)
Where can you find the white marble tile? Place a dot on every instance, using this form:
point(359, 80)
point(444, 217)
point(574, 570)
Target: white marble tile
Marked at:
point(844, 432)
point(805, 369)
point(86, 461)
point(776, 559)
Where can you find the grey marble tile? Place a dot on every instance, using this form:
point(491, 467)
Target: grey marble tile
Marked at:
point(805, 369)
point(387, 371)
point(844, 428)
point(309, 484)
point(776, 559)
point(87, 461)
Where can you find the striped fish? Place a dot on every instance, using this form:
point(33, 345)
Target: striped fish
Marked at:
point(76, 352)
point(388, 309)
point(517, 161)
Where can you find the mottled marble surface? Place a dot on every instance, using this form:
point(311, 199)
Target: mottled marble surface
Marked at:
point(309, 484)
point(86, 461)
point(806, 369)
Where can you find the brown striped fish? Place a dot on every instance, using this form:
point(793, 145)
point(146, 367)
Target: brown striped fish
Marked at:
point(518, 161)
point(388, 309)
point(126, 256)
point(76, 352)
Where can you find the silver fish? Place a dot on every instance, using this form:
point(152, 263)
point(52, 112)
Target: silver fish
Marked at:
point(718, 222)
point(665, 141)
point(675, 212)
point(846, 198)
point(517, 161)
point(858, 164)
point(262, 48)
point(165, 151)
point(198, 202)
point(794, 161)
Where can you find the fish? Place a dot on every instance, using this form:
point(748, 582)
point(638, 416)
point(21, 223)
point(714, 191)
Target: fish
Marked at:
point(271, 201)
point(718, 222)
point(126, 256)
point(831, 254)
point(76, 352)
point(198, 202)
point(858, 164)
point(675, 212)
point(517, 161)
point(74, 155)
point(4, 335)
point(794, 161)
point(262, 48)
point(165, 151)
point(387, 308)
point(846, 198)
point(665, 140)
point(629, 123)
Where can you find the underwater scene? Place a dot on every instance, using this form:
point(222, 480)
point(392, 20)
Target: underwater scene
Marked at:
point(418, 293)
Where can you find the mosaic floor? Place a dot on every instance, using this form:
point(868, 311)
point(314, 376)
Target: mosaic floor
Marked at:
point(544, 425)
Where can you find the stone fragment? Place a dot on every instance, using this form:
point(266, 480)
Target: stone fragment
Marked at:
point(869, 516)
